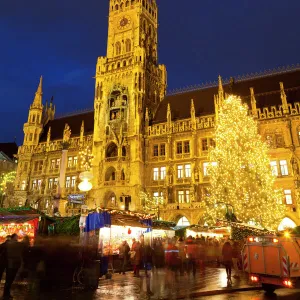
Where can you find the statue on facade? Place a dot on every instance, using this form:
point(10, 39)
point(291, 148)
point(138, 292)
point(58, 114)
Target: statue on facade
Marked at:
point(67, 134)
point(295, 166)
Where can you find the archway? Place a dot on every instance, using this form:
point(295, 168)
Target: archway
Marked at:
point(286, 223)
point(183, 222)
point(110, 200)
point(112, 150)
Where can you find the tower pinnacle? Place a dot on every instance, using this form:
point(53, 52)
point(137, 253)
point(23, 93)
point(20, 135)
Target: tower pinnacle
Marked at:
point(37, 102)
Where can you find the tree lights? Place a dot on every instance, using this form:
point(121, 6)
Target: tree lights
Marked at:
point(240, 171)
point(6, 179)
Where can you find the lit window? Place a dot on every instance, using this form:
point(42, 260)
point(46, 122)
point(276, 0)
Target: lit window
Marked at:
point(23, 186)
point(179, 148)
point(55, 183)
point(68, 182)
point(274, 168)
point(53, 163)
point(34, 184)
point(162, 150)
point(204, 145)
point(187, 196)
point(288, 196)
point(179, 171)
point(186, 147)
point(283, 167)
point(187, 170)
point(70, 159)
point(162, 173)
point(205, 169)
point(180, 196)
point(157, 197)
point(155, 150)
point(50, 183)
point(57, 163)
point(39, 184)
point(75, 160)
point(155, 173)
point(212, 143)
point(73, 181)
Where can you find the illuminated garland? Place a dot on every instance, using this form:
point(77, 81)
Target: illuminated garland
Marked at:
point(125, 213)
point(240, 173)
point(86, 159)
point(5, 179)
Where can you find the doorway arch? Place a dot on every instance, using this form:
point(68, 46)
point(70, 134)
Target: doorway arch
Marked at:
point(286, 223)
point(183, 221)
point(110, 200)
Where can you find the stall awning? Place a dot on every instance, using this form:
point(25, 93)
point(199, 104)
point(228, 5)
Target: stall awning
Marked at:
point(17, 219)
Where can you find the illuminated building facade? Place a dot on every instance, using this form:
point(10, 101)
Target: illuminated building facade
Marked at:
point(145, 141)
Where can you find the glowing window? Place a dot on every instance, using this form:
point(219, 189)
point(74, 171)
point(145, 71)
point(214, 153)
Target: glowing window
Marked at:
point(155, 173)
point(288, 197)
point(187, 170)
point(162, 173)
point(283, 167)
point(179, 172)
point(274, 168)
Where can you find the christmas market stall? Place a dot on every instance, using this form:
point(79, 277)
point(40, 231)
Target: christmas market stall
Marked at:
point(24, 221)
point(109, 228)
point(162, 229)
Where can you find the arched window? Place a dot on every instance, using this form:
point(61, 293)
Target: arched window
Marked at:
point(124, 63)
point(123, 151)
point(132, 2)
point(128, 45)
point(118, 48)
point(112, 150)
point(127, 4)
point(122, 6)
point(118, 65)
point(117, 7)
point(286, 223)
point(110, 174)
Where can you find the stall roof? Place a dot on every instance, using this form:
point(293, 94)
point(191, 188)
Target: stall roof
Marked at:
point(17, 220)
point(163, 225)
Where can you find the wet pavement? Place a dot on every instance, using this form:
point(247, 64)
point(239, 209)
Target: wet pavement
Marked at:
point(161, 284)
point(282, 294)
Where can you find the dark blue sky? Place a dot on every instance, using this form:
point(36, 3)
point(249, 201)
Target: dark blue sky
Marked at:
point(61, 39)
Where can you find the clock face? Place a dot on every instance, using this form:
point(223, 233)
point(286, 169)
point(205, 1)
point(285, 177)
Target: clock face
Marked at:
point(124, 22)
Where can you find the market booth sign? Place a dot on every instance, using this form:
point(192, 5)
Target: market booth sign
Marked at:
point(76, 198)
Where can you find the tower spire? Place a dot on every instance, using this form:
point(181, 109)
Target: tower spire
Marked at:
point(253, 102)
point(221, 90)
point(37, 102)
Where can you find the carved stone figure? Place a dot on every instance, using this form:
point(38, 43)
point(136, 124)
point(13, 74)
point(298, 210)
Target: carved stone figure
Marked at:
point(295, 166)
point(67, 134)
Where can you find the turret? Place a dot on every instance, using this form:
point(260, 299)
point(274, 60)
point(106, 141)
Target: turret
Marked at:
point(253, 103)
point(285, 107)
point(33, 128)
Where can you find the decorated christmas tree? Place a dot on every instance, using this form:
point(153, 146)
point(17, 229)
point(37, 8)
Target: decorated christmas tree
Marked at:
point(239, 170)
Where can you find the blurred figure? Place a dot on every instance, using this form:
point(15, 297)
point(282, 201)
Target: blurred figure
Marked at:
point(25, 257)
point(191, 253)
point(235, 258)
point(147, 257)
point(182, 255)
point(135, 256)
point(124, 256)
point(3, 256)
point(14, 260)
point(227, 260)
point(172, 258)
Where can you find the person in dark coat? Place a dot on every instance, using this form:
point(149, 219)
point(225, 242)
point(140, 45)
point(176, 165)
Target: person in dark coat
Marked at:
point(3, 256)
point(227, 259)
point(124, 256)
point(14, 260)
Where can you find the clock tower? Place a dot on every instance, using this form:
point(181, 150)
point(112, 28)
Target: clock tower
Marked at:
point(129, 84)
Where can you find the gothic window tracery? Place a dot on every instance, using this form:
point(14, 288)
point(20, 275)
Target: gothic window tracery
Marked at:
point(112, 150)
point(128, 45)
point(118, 48)
point(118, 102)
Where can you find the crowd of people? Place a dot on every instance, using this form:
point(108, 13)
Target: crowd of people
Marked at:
point(182, 255)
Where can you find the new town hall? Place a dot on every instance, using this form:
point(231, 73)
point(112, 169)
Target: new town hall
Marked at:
point(146, 141)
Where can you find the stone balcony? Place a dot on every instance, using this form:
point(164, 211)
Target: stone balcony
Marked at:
point(174, 206)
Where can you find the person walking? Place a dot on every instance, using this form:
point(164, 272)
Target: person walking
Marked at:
point(14, 260)
point(227, 260)
point(135, 256)
point(191, 253)
point(235, 258)
point(124, 255)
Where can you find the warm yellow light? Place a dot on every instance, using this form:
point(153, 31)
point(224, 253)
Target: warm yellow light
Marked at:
point(287, 234)
point(85, 186)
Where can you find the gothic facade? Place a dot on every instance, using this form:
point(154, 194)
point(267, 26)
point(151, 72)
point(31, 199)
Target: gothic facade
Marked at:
point(146, 141)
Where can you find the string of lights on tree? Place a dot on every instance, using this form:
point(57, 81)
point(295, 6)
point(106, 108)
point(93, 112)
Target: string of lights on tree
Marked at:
point(6, 179)
point(150, 203)
point(240, 173)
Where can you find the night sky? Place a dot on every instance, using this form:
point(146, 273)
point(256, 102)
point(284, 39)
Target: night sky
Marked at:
point(198, 40)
